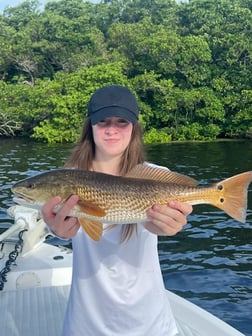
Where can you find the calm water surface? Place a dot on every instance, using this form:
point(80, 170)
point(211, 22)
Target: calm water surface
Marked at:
point(210, 261)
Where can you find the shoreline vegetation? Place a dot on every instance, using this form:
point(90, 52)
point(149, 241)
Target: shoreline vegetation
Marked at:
point(189, 64)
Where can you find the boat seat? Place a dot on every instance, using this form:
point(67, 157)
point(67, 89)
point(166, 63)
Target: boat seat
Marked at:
point(42, 311)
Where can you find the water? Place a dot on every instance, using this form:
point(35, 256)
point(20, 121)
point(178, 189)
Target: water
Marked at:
point(210, 261)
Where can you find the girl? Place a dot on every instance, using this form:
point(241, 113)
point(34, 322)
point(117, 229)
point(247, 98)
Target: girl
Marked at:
point(117, 286)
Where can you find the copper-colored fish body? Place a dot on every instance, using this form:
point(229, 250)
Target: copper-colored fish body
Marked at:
point(122, 200)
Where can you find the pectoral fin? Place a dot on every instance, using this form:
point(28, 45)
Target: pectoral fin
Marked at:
point(91, 208)
point(92, 228)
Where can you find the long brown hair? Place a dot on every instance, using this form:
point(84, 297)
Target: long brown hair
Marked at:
point(84, 152)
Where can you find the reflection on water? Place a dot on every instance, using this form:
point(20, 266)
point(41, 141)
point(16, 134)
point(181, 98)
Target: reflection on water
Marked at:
point(210, 261)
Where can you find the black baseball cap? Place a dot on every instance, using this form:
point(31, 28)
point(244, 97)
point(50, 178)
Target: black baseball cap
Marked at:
point(113, 101)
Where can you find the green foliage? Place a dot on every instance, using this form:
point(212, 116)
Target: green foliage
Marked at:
point(193, 59)
point(196, 131)
point(154, 48)
point(241, 121)
point(189, 64)
point(156, 136)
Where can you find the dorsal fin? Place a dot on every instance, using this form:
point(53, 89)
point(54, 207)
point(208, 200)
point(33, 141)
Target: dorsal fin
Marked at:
point(145, 171)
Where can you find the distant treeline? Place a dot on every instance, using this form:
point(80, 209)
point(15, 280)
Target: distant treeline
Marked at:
point(190, 65)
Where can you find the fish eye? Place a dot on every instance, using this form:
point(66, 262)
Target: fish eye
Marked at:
point(31, 185)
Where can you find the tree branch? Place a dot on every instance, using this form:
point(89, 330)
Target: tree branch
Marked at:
point(7, 126)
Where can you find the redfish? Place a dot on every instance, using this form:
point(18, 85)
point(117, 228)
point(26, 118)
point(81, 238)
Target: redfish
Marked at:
point(112, 199)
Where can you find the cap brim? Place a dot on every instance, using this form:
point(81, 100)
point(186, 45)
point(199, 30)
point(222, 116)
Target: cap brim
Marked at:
point(113, 111)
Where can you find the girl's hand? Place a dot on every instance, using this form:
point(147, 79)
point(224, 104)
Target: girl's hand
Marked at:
point(60, 223)
point(167, 220)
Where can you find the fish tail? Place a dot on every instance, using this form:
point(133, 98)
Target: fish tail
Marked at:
point(233, 195)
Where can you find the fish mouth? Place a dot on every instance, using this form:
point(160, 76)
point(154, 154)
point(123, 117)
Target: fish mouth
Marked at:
point(21, 199)
point(26, 202)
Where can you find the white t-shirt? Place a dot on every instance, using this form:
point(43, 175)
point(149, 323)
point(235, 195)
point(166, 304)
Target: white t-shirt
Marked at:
point(117, 288)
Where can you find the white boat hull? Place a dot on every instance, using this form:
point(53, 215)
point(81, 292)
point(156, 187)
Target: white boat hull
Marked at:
point(34, 298)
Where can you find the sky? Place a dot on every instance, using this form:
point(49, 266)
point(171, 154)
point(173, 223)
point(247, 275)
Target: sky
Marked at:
point(13, 3)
